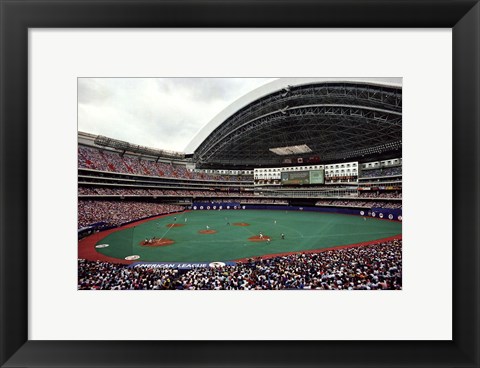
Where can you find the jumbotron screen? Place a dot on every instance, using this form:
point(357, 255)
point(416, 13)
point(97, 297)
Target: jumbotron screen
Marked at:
point(317, 177)
point(303, 177)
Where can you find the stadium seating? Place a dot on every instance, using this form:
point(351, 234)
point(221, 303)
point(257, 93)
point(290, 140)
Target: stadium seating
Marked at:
point(388, 171)
point(371, 267)
point(115, 213)
point(92, 158)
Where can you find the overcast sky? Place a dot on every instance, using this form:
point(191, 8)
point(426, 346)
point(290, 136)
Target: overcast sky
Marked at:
point(163, 113)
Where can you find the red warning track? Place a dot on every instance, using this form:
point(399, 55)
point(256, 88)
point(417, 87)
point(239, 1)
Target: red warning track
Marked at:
point(207, 231)
point(267, 256)
point(256, 238)
point(157, 243)
point(240, 224)
point(86, 246)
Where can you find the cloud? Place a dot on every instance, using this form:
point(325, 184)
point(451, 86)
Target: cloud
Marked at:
point(90, 91)
point(163, 113)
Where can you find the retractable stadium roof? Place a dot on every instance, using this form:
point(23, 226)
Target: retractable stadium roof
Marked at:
point(334, 119)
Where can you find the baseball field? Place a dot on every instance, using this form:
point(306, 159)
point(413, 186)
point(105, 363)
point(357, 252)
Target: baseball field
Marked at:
point(201, 236)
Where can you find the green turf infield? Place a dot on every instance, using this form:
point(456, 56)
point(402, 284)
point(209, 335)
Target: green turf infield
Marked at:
point(303, 231)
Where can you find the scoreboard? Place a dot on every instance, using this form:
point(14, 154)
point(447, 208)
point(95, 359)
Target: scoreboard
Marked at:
point(295, 177)
point(303, 177)
point(317, 177)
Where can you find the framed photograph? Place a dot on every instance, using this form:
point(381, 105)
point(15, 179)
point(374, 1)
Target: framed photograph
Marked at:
point(407, 71)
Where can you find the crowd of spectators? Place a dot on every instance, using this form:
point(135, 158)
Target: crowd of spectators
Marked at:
point(375, 194)
point(92, 158)
point(384, 204)
point(119, 191)
point(359, 203)
point(265, 201)
point(340, 179)
point(224, 200)
point(115, 213)
point(206, 195)
point(371, 267)
point(386, 171)
point(385, 181)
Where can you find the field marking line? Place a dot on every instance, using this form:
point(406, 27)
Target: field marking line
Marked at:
point(161, 238)
point(247, 230)
point(292, 228)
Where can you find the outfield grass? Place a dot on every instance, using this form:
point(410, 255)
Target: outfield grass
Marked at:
point(303, 231)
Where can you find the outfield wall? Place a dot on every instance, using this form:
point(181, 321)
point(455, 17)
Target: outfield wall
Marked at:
point(382, 213)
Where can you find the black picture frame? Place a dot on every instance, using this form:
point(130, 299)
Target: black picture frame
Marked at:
point(17, 16)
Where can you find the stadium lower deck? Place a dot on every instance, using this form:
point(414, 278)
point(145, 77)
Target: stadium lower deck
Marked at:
point(209, 236)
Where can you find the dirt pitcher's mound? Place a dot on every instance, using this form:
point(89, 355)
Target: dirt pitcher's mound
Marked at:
point(175, 225)
point(256, 238)
point(240, 224)
point(157, 243)
point(207, 231)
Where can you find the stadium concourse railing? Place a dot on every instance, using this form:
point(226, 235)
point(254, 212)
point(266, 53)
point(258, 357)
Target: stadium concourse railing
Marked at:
point(357, 202)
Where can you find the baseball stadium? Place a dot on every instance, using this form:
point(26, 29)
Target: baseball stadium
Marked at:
point(295, 185)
